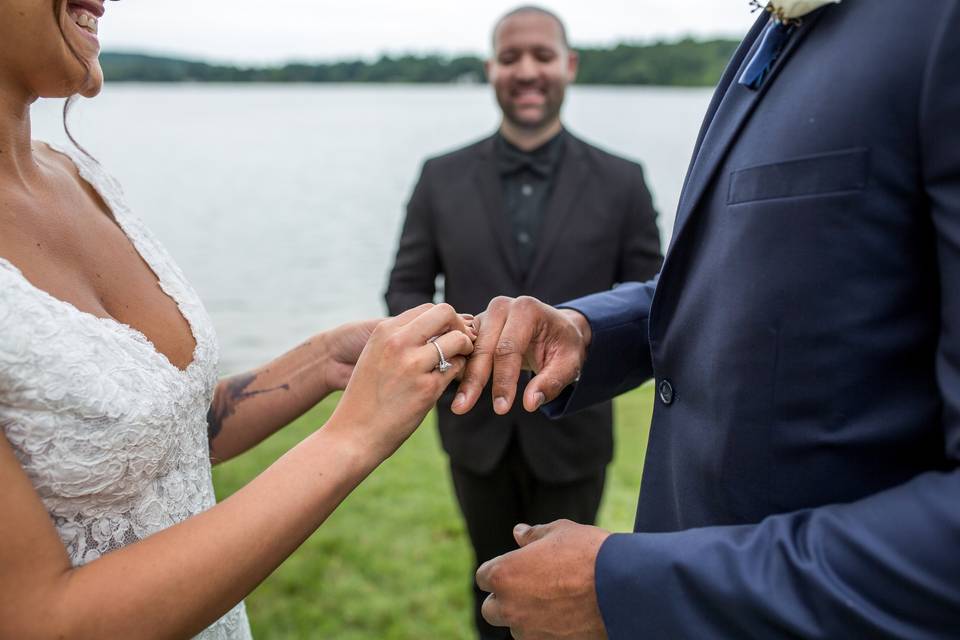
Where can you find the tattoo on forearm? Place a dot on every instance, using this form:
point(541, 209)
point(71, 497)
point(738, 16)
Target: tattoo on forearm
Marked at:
point(232, 392)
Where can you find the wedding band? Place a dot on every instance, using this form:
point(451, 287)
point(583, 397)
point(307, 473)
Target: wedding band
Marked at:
point(443, 365)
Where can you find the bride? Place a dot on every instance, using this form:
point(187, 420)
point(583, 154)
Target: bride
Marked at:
point(109, 405)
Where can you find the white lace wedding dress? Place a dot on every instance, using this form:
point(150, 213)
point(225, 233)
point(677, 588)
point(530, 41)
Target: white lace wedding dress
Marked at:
point(112, 435)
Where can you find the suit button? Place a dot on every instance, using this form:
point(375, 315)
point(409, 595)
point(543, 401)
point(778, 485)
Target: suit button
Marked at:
point(665, 390)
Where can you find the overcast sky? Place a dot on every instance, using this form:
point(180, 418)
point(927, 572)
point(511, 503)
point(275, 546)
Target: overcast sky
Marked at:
point(258, 31)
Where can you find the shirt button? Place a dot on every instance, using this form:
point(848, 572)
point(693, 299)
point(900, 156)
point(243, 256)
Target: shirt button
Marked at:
point(523, 237)
point(666, 392)
point(526, 190)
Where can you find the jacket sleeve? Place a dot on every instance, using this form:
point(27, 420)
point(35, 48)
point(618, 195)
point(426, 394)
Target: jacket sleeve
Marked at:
point(413, 277)
point(618, 358)
point(640, 253)
point(886, 566)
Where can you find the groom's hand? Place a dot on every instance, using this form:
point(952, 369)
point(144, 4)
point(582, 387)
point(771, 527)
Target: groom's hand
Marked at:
point(547, 588)
point(523, 333)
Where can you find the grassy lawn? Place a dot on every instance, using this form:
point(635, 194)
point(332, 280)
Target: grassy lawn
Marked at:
point(393, 562)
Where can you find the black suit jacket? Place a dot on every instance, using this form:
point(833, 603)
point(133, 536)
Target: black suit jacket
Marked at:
point(598, 228)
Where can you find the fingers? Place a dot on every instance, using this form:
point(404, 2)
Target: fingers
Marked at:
point(458, 363)
point(418, 327)
point(467, 326)
point(485, 574)
point(508, 356)
point(524, 534)
point(408, 315)
point(489, 324)
point(452, 344)
point(435, 321)
point(492, 611)
point(503, 336)
point(558, 373)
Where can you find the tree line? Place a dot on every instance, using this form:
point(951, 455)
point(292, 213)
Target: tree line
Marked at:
point(683, 63)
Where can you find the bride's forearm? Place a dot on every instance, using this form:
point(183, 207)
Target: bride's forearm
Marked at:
point(182, 579)
point(179, 580)
point(249, 407)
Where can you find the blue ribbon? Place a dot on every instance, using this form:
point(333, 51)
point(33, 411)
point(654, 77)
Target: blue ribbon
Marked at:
point(775, 37)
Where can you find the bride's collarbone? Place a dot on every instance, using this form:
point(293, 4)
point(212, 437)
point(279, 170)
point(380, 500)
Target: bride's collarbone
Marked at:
point(69, 246)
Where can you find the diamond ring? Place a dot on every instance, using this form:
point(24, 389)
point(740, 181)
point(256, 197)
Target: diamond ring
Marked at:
point(442, 365)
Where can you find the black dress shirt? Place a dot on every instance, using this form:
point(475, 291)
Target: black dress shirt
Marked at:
point(527, 178)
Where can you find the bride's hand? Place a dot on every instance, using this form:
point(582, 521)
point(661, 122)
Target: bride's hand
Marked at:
point(344, 345)
point(396, 380)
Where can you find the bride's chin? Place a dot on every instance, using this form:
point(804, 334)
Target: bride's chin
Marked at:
point(85, 71)
point(92, 89)
point(91, 84)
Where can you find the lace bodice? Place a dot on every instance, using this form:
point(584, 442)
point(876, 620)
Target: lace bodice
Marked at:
point(112, 435)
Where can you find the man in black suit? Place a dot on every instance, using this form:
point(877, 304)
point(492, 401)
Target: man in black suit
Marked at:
point(530, 210)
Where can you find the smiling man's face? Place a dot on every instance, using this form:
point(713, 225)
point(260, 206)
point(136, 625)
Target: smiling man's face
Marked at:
point(530, 69)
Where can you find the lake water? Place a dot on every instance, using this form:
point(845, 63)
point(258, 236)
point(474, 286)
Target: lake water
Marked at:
point(283, 204)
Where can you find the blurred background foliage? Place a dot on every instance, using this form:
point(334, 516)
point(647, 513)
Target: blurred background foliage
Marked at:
point(687, 63)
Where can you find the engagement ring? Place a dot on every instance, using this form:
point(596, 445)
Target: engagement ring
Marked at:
point(443, 365)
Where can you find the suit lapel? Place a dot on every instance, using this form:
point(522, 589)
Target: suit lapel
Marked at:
point(567, 188)
point(729, 76)
point(490, 189)
point(733, 110)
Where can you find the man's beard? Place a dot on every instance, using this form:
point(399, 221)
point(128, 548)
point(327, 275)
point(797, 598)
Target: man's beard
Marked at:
point(551, 110)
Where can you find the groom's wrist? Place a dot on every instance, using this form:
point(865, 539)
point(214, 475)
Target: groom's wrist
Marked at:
point(582, 325)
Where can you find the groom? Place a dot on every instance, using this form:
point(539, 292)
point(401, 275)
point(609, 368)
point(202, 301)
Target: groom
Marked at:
point(803, 473)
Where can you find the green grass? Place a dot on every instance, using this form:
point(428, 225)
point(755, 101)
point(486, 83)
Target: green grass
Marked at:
point(393, 562)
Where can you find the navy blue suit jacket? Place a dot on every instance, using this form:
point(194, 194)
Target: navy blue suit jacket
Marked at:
point(803, 472)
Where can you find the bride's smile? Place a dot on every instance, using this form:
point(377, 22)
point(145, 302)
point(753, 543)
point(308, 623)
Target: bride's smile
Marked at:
point(86, 16)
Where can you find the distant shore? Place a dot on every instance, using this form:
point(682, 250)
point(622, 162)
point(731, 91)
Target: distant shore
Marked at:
point(684, 63)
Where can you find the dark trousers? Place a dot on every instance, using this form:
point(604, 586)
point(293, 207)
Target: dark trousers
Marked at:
point(492, 504)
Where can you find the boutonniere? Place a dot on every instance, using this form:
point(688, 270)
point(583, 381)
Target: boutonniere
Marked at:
point(785, 17)
point(790, 11)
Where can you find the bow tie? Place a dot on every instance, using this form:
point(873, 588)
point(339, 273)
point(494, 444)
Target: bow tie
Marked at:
point(511, 161)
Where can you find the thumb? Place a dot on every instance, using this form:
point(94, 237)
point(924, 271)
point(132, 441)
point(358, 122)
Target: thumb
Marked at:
point(524, 534)
point(550, 381)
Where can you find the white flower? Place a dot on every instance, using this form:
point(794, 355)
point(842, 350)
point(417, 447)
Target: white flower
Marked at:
point(793, 9)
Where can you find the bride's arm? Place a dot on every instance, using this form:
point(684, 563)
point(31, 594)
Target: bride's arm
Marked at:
point(178, 581)
point(249, 407)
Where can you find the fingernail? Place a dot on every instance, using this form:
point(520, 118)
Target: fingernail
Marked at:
point(538, 399)
point(500, 405)
point(521, 529)
point(459, 399)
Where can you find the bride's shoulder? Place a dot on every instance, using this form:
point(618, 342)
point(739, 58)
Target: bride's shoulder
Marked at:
point(48, 153)
point(77, 165)
point(65, 156)
point(56, 159)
